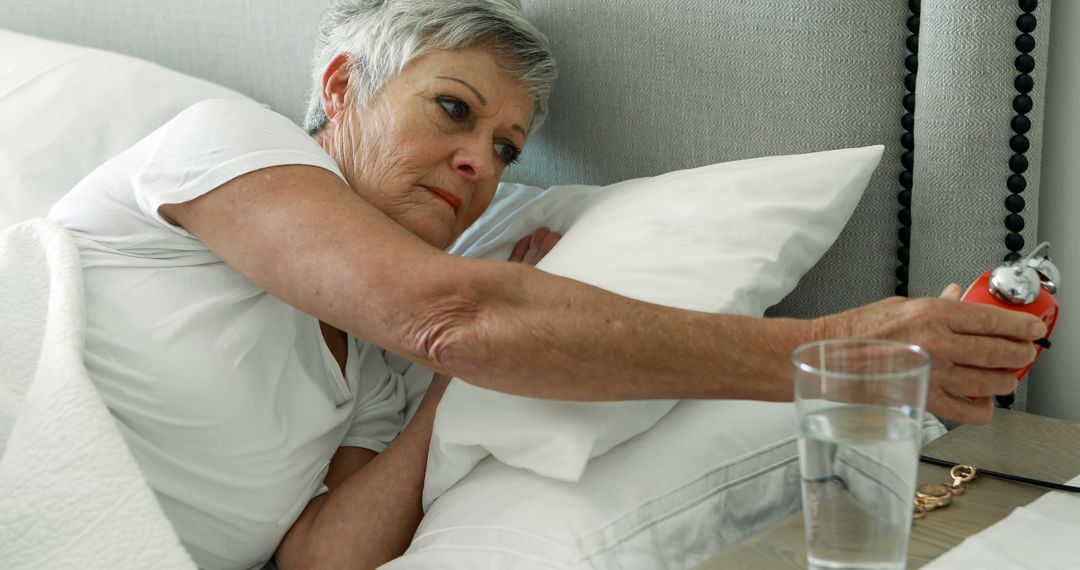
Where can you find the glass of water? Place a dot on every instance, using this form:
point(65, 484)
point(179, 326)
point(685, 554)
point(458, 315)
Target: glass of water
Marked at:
point(860, 406)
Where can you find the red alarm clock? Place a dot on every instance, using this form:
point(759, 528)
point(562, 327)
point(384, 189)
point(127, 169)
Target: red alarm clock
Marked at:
point(1027, 284)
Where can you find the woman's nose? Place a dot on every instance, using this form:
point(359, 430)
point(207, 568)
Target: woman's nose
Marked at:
point(474, 161)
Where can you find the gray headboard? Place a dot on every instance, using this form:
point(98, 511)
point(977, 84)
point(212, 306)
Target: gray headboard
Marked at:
point(648, 87)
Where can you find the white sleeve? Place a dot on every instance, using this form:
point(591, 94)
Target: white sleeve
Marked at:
point(379, 404)
point(213, 142)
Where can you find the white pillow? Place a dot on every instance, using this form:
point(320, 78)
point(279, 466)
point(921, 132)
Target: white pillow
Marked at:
point(731, 238)
point(67, 109)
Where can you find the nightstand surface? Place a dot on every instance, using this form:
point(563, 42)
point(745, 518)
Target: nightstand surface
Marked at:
point(1013, 442)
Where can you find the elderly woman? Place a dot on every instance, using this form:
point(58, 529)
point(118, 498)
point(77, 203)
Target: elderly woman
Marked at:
point(240, 274)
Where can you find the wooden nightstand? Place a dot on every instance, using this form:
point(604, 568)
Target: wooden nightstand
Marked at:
point(1013, 442)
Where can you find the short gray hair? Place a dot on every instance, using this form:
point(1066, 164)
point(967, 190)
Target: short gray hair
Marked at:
point(381, 37)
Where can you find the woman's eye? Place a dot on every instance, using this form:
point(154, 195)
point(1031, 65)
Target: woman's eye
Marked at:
point(454, 108)
point(508, 153)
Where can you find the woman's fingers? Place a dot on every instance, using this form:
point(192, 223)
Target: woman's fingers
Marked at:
point(977, 319)
point(964, 410)
point(532, 248)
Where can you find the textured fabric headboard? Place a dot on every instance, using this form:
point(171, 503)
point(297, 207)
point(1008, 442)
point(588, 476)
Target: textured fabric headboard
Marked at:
point(649, 87)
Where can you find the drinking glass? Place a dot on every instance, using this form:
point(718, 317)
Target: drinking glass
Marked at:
point(859, 406)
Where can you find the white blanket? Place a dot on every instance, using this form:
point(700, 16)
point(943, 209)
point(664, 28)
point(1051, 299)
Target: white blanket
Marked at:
point(71, 495)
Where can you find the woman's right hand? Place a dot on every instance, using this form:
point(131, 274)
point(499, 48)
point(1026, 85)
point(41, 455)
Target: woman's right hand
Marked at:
point(973, 346)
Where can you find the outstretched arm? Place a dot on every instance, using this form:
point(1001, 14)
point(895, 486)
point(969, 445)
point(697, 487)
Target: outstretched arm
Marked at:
point(300, 233)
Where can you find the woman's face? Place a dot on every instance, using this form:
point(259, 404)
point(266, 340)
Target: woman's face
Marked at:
point(429, 149)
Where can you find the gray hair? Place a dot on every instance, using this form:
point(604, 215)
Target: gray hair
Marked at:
point(381, 37)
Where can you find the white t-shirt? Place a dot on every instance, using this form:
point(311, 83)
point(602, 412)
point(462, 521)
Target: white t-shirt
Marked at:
point(229, 399)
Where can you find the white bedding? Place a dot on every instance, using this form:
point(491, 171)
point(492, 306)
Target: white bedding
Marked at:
point(72, 497)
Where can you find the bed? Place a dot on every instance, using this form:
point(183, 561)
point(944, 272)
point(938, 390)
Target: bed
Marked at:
point(646, 90)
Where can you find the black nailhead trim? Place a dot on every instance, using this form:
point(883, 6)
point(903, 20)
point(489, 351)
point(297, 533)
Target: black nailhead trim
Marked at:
point(1025, 63)
point(905, 235)
point(1016, 183)
point(911, 62)
point(905, 216)
point(903, 254)
point(1019, 143)
point(907, 160)
point(1025, 43)
point(912, 43)
point(909, 102)
point(1026, 23)
point(1022, 104)
point(1020, 124)
point(1014, 242)
point(913, 24)
point(905, 179)
point(1014, 203)
point(1012, 257)
point(908, 121)
point(904, 197)
point(915, 6)
point(901, 273)
point(1029, 5)
point(1024, 83)
point(909, 82)
point(901, 289)
point(907, 140)
point(1014, 222)
point(1018, 163)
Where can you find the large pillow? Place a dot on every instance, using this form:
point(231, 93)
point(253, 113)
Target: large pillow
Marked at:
point(67, 109)
point(727, 238)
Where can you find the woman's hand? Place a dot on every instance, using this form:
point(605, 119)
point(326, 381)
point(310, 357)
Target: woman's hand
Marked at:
point(973, 346)
point(532, 248)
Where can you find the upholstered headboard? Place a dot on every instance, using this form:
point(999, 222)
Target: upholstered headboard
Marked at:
point(648, 87)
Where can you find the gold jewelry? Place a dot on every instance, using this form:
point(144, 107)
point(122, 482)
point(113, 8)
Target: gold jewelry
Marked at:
point(932, 496)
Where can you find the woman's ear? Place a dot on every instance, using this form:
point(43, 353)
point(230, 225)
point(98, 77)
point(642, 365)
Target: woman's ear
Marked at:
point(335, 85)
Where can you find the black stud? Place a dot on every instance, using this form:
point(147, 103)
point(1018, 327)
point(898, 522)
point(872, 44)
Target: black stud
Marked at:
point(1014, 242)
point(1025, 63)
point(1018, 163)
point(1019, 143)
point(901, 273)
point(905, 235)
point(1014, 222)
point(903, 254)
point(901, 289)
point(911, 62)
point(907, 160)
point(1014, 203)
point(1029, 5)
point(1024, 83)
point(1022, 104)
point(912, 43)
point(905, 179)
point(1005, 401)
point(1020, 124)
point(1025, 43)
point(913, 24)
point(1016, 183)
point(904, 197)
point(905, 216)
point(1026, 23)
point(909, 102)
point(914, 5)
point(908, 121)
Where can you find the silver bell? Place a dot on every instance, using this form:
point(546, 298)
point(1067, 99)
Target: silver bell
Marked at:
point(1021, 281)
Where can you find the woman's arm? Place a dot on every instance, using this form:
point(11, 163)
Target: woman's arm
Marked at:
point(303, 235)
point(373, 507)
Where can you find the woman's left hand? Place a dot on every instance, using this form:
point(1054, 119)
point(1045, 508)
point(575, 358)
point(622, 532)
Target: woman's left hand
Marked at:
point(532, 248)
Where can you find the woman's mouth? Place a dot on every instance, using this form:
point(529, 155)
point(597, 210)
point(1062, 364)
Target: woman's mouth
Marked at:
point(446, 196)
